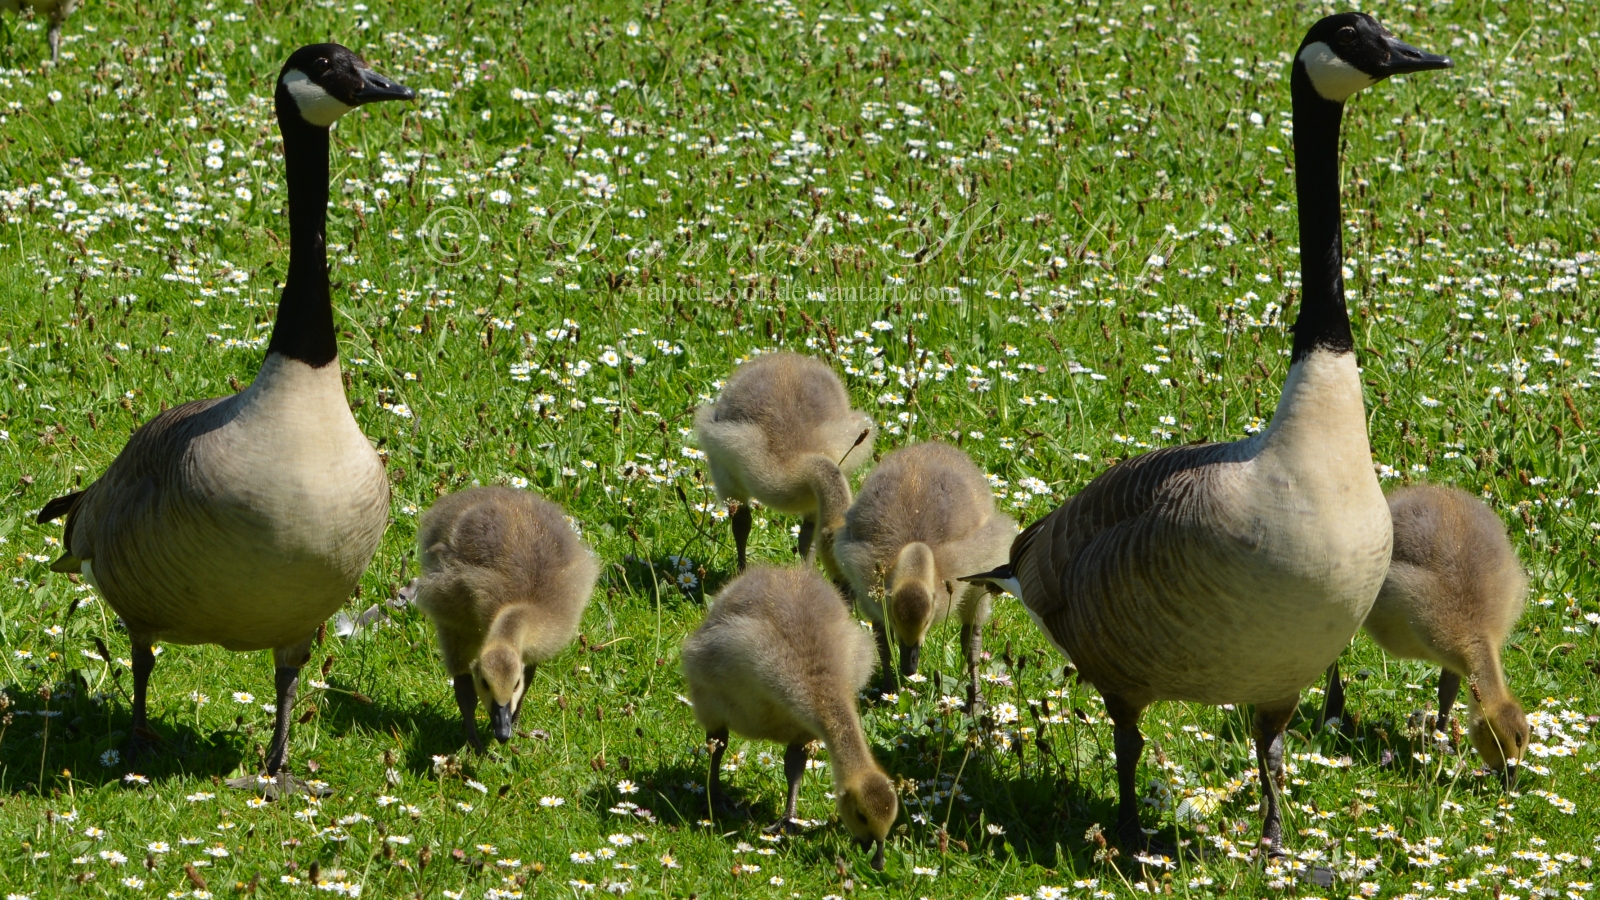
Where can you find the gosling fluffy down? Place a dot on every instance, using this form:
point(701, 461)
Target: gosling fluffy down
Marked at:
point(778, 658)
point(1454, 592)
point(924, 518)
point(505, 580)
point(782, 432)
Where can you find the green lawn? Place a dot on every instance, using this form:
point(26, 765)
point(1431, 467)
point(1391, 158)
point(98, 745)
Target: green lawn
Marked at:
point(1054, 235)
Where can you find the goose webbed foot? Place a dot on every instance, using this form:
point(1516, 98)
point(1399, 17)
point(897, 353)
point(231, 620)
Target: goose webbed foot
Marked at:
point(1148, 849)
point(725, 806)
point(784, 825)
point(273, 787)
point(143, 744)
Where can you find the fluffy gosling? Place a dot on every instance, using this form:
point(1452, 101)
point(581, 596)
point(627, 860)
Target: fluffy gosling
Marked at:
point(783, 433)
point(925, 517)
point(505, 580)
point(1454, 592)
point(779, 659)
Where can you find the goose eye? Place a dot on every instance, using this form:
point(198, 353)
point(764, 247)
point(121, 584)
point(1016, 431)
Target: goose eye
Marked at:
point(322, 62)
point(1346, 35)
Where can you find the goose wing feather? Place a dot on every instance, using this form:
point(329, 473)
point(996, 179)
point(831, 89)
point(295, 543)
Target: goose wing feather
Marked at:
point(141, 485)
point(1106, 575)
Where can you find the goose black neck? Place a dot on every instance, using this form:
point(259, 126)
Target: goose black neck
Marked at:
point(1323, 322)
point(304, 329)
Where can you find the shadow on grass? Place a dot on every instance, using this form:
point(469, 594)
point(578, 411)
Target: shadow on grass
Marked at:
point(90, 747)
point(426, 730)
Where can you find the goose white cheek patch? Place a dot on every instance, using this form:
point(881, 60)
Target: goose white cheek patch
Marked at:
point(1333, 78)
point(316, 105)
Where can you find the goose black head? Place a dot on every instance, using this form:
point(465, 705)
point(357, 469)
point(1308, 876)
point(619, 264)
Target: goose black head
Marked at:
point(1350, 52)
point(324, 81)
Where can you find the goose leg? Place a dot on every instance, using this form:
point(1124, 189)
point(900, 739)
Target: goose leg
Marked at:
point(1449, 687)
point(808, 530)
point(891, 681)
point(467, 702)
point(288, 685)
point(1333, 703)
point(278, 782)
point(740, 517)
point(719, 743)
point(142, 739)
point(972, 646)
point(794, 767)
point(1270, 723)
point(1129, 744)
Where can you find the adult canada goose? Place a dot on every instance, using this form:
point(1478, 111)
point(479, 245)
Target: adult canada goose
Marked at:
point(925, 516)
point(505, 580)
point(1235, 573)
point(56, 10)
point(245, 521)
point(783, 433)
point(778, 658)
point(1453, 593)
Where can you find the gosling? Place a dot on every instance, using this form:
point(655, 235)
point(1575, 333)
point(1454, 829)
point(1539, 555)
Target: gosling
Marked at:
point(505, 580)
point(925, 516)
point(783, 433)
point(1453, 593)
point(778, 658)
point(56, 10)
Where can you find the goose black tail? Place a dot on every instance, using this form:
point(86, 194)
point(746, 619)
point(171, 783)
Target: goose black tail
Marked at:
point(58, 507)
point(999, 573)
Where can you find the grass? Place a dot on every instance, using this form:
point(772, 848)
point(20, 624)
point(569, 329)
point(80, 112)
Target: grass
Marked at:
point(1053, 235)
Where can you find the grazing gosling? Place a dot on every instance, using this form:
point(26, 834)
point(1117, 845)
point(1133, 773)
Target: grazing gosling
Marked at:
point(783, 433)
point(56, 10)
point(1454, 592)
point(505, 580)
point(778, 658)
point(925, 516)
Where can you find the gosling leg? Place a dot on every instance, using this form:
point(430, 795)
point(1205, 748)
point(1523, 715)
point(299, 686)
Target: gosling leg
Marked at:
point(740, 518)
point(1333, 702)
point(527, 682)
point(1449, 687)
point(972, 646)
point(794, 768)
point(891, 681)
point(719, 744)
point(467, 702)
point(808, 530)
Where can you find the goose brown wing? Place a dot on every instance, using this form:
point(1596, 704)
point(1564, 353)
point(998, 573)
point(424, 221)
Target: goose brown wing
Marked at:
point(120, 501)
point(1098, 520)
